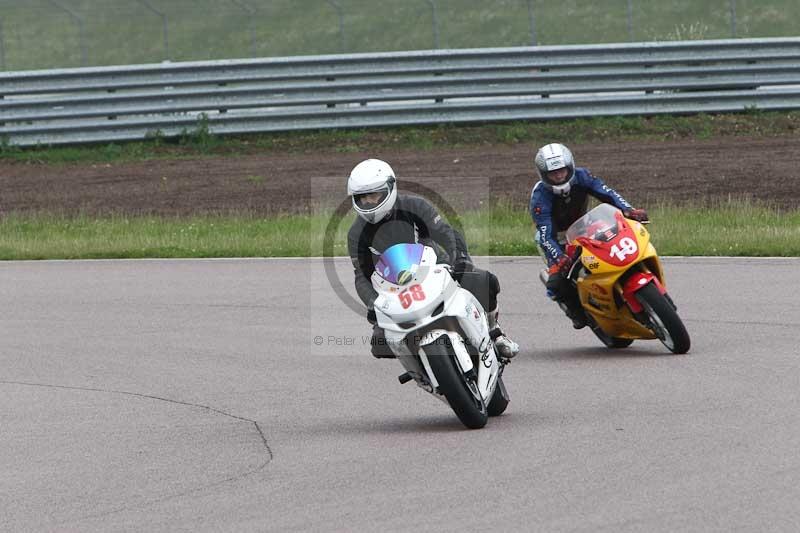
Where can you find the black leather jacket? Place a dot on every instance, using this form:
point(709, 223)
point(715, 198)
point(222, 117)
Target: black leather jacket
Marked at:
point(413, 219)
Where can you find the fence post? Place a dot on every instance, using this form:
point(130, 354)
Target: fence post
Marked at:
point(434, 22)
point(81, 30)
point(532, 23)
point(163, 17)
point(335, 4)
point(630, 20)
point(733, 18)
point(251, 14)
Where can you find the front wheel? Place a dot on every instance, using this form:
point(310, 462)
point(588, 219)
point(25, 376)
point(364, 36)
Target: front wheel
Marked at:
point(499, 402)
point(461, 391)
point(664, 320)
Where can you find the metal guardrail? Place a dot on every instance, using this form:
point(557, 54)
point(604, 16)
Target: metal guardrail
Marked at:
point(400, 88)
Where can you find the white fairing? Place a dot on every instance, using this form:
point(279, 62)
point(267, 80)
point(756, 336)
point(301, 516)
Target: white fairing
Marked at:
point(407, 312)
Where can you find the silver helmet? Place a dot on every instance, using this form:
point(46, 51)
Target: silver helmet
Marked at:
point(550, 159)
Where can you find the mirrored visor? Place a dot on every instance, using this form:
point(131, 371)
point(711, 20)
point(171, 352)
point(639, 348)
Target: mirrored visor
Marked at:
point(399, 263)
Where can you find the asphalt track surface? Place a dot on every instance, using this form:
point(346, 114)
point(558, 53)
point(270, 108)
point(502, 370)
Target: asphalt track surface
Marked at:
point(193, 396)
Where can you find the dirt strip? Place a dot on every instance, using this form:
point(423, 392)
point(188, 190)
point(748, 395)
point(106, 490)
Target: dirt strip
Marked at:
point(644, 172)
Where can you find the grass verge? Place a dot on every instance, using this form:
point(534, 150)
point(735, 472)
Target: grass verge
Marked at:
point(735, 228)
point(39, 34)
point(200, 143)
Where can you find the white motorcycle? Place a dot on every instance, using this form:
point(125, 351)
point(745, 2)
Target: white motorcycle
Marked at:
point(439, 332)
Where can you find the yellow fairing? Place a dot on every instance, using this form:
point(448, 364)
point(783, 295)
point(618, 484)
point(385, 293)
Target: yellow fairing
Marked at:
point(601, 294)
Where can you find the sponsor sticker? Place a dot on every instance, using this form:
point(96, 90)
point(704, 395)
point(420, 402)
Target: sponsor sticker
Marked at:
point(554, 163)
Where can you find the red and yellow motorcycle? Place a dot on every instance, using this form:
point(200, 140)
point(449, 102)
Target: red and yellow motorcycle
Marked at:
point(620, 281)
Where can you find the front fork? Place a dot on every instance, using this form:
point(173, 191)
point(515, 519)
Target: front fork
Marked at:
point(633, 283)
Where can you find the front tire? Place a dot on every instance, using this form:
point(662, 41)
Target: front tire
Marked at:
point(460, 391)
point(665, 322)
point(499, 402)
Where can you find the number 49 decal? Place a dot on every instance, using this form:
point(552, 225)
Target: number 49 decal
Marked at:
point(628, 247)
point(412, 293)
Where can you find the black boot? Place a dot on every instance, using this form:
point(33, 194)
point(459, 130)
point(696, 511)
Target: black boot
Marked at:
point(561, 290)
point(578, 318)
point(574, 310)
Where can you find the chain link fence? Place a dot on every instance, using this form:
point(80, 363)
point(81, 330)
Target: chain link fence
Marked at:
point(38, 34)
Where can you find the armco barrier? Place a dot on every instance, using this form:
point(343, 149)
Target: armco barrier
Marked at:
point(401, 88)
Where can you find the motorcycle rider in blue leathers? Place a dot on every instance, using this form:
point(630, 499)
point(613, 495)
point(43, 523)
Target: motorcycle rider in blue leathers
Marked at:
point(558, 200)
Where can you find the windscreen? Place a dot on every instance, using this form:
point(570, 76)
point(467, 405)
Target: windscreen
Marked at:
point(599, 224)
point(398, 263)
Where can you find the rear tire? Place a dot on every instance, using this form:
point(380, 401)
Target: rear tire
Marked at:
point(461, 392)
point(665, 322)
point(499, 402)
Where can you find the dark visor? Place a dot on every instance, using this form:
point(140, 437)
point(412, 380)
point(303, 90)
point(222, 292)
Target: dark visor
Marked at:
point(366, 201)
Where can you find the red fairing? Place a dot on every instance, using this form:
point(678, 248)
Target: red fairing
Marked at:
point(636, 282)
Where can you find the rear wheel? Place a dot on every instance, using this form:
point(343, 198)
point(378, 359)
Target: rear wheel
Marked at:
point(499, 402)
point(664, 320)
point(460, 390)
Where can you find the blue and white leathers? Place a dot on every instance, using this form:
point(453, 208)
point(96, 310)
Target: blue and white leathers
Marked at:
point(553, 213)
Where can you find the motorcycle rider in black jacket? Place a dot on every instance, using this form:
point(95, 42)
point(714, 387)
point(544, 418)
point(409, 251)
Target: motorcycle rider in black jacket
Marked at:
point(387, 218)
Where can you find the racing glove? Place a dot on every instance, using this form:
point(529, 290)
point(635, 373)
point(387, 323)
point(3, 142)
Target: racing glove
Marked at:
point(562, 265)
point(639, 215)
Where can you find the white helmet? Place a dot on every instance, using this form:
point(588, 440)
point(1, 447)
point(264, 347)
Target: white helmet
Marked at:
point(369, 177)
point(554, 157)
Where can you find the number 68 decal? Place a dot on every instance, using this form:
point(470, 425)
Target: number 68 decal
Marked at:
point(628, 247)
point(414, 292)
